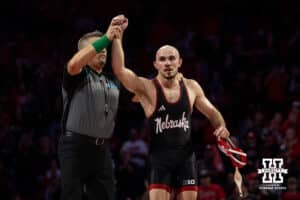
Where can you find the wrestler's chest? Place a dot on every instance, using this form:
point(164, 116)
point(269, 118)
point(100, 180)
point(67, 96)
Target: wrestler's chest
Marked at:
point(172, 95)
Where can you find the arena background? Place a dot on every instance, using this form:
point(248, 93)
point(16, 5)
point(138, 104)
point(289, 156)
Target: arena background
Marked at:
point(245, 55)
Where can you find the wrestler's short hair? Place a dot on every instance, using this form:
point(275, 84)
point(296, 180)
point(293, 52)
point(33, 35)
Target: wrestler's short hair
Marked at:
point(82, 40)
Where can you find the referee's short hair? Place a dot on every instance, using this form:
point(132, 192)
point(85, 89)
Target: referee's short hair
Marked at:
point(83, 39)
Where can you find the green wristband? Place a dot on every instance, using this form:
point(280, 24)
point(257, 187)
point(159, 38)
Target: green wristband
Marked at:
point(101, 43)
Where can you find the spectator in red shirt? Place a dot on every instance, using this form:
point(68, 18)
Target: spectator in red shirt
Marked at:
point(291, 193)
point(208, 190)
point(292, 121)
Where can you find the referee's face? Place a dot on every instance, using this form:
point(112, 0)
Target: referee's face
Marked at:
point(99, 59)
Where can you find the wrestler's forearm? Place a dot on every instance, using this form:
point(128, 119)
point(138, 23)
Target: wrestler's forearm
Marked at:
point(118, 62)
point(127, 77)
point(216, 119)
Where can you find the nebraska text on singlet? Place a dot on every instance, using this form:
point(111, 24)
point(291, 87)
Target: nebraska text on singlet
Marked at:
point(167, 123)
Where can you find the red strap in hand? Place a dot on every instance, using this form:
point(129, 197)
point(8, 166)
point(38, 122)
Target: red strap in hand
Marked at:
point(236, 155)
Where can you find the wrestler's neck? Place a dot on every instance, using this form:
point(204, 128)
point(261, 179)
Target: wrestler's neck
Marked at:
point(168, 83)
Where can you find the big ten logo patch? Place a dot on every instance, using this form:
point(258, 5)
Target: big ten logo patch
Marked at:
point(189, 182)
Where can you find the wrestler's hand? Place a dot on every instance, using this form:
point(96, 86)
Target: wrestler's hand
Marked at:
point(179, 76)
point(221, 132)
point(113, 31)
point(120, 20)
point(124, 25)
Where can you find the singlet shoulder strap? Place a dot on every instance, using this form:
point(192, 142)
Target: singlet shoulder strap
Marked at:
point(185, 94)
point(159, 92)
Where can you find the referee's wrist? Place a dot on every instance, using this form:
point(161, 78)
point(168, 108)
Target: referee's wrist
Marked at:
point(101, 43)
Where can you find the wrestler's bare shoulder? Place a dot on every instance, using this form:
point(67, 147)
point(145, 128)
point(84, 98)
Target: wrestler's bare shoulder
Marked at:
point(191, 84)
point(147, 89)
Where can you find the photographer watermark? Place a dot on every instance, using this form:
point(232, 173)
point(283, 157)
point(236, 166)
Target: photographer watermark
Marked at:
point(272, 172)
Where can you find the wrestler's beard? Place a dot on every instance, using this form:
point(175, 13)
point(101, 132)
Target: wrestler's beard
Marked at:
point(170, 77)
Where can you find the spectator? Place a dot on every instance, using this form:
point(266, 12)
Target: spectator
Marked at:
point(209, 190)
point(291, 193)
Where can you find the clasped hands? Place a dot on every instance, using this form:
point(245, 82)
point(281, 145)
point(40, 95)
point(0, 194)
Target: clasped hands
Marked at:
point(117, 26)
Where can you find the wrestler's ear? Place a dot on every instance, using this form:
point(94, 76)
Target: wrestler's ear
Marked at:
point(180, 62)
point(155, 65)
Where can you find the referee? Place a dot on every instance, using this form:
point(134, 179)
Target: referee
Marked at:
point(90, 103)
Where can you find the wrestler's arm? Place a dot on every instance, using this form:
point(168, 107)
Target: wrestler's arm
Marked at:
point(128, 78)
point(209, 110)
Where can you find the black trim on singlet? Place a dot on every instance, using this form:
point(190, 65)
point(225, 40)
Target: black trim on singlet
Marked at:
point(160, 93)
point(164, 95)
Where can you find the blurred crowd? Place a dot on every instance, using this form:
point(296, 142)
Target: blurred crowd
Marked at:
point(246, 62)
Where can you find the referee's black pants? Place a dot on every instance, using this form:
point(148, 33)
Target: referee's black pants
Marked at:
point(86, 167)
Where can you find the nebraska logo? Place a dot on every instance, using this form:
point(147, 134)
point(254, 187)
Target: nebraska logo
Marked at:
point(170, 124)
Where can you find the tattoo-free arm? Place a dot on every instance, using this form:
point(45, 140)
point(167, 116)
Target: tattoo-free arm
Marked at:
point(128, 78)
point(210, 111)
